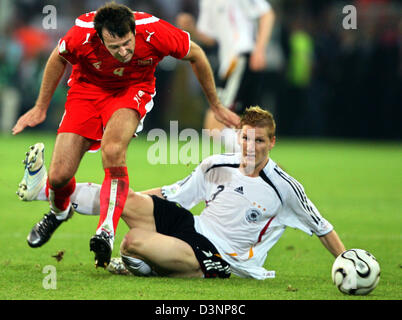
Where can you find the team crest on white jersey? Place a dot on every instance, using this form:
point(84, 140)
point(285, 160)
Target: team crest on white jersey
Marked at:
point(253, 215)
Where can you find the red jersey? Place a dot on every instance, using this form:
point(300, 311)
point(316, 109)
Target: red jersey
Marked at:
point(92, 62)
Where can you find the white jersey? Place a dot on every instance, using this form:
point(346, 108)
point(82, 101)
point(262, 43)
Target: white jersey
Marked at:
point(244, 216)
point(232, 23)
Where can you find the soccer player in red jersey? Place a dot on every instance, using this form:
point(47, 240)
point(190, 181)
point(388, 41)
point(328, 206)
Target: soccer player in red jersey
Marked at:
point(114, 52)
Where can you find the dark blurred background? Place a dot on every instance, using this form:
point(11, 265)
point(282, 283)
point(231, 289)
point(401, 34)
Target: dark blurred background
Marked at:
point(321, 80)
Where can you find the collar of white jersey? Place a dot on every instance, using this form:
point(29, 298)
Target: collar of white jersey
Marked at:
point(269, 167)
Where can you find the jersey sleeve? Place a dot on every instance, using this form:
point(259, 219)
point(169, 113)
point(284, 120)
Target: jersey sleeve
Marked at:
point(299, 212)
point(187, 192)
point(205, 23)
point(170, 41)
point(68, 45)
point(255, 8)
point(310, 217)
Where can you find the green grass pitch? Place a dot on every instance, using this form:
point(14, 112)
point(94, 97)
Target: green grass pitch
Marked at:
point(355, 185)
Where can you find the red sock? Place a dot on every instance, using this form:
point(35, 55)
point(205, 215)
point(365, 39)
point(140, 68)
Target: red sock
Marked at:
point(59, 198)
point(113, 196)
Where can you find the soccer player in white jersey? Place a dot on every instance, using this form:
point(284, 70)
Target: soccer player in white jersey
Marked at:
point(249, 200)
point(241, 29)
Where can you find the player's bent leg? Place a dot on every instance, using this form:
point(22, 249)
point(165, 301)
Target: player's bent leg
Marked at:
point(139, 211)
point(167, 255)
point(68, 151)
point(177, 225)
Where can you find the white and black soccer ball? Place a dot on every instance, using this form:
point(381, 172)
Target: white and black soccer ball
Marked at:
point(356, 272)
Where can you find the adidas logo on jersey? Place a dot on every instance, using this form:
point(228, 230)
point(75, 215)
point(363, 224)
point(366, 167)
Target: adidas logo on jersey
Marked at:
point(239, 190)
point(207, 254)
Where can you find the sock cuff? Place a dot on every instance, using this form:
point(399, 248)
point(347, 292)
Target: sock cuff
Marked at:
point(68, 188)
point(59, 198)
point(136, 266)
point(116, 172)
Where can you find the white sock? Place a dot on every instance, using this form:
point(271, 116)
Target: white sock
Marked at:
point(137, 266)
point(85, 199)
point(61, 215)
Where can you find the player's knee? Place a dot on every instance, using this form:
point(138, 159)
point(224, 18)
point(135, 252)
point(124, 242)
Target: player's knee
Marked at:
point(59, 178)
point(124, 246)
point(132, 200)
point(132, 242)
point(130, 205)
point(113, 153)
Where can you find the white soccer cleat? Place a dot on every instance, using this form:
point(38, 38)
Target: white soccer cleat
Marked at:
point(35, 174)
point(116, 266)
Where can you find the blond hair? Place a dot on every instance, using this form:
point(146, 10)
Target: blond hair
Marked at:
point(255, 116)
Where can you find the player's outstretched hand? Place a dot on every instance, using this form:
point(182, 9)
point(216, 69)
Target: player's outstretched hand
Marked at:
point(227, 117)
point(31, 118)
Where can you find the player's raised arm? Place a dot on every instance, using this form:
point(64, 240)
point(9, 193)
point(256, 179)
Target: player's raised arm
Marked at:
point(54, 70)
point(203, 72)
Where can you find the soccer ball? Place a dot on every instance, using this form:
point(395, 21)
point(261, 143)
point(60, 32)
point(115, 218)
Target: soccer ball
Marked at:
point(356, 272)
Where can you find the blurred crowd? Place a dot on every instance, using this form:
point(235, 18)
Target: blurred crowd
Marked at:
point(321, 79)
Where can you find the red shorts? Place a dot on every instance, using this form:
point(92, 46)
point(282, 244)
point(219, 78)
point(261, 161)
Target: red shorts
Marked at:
point(88, 109)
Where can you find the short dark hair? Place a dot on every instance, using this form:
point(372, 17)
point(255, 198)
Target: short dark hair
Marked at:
point(118, 19)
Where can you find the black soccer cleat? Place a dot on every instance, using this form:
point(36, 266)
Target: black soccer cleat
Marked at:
point(43, 230)
point(100, 244)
